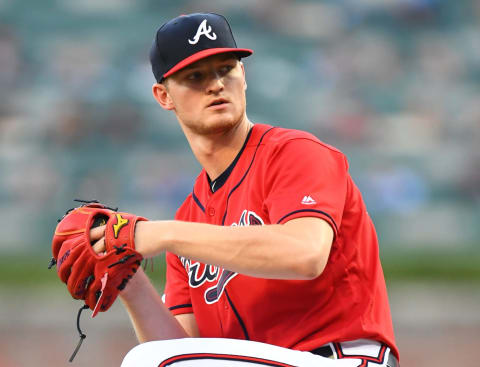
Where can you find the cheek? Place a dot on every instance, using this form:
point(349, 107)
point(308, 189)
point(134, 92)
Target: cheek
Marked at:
point(237, 86)
point(184, 102)
point(240, 94)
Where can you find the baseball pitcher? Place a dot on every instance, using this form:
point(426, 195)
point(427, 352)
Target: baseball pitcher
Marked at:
point(272, 259)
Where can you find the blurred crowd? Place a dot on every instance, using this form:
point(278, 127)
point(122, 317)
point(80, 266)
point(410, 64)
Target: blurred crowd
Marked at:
point(393, 84)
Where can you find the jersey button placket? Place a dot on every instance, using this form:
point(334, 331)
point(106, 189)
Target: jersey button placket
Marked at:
point(223, 303)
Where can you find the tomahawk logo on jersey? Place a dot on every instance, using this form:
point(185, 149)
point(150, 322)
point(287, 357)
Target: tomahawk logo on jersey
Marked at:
point(280, 175)
point(249, 218)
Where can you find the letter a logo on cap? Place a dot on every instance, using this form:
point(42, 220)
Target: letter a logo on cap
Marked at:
point(203, 30)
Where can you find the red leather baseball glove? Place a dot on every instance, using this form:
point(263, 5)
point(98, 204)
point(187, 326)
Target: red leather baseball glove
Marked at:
point(96, 278)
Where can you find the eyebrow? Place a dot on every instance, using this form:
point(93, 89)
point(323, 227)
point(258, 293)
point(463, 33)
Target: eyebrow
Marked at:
point(189, 67)
point(224, 57)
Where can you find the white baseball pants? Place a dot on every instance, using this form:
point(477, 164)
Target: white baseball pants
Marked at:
point(217, 352)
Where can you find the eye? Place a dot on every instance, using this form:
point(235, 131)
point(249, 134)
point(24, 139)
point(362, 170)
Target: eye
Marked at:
point(225, 69)
point(195, 75)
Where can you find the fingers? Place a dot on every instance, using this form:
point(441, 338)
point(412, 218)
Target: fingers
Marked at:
point(99, 246)
point(97, 232)
point(97, 236)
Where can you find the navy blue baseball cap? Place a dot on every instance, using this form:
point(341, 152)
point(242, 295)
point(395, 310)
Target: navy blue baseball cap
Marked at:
point(189, 38)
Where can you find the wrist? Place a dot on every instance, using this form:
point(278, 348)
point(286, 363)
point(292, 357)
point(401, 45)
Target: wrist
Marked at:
point(142, 238)
point(153, 237)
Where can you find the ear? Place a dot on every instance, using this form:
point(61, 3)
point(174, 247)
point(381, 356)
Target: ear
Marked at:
point(243, 72)
point(161, 95)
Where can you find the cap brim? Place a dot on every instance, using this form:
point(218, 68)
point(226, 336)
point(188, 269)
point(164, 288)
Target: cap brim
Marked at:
point(241, 52)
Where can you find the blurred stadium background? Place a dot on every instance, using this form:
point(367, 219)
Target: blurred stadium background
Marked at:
point(395, 84)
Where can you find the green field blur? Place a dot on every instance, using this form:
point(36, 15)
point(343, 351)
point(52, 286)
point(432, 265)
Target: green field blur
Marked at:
point(31, 270)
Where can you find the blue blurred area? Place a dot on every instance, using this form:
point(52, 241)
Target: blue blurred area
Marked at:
point(395, 85)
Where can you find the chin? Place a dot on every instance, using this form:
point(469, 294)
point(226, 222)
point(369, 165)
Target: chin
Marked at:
point(216, 125)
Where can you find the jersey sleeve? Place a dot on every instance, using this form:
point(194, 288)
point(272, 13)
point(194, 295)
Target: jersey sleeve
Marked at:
point(177, 293)
point(306, 178)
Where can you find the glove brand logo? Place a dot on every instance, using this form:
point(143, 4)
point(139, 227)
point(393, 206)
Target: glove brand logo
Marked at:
point(121, 222)
point(203, 30)
point(199, 274)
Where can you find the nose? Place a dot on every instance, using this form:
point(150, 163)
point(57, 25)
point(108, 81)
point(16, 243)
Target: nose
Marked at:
point(215, 83)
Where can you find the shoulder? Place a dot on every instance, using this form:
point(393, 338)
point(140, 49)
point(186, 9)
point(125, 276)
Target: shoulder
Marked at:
point(184, 209)
point(298, 140)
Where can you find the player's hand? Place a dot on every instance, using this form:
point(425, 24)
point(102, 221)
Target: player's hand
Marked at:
point(97, 237)
point(96, 276)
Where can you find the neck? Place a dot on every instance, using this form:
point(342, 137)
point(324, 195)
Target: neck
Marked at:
point(215, 152)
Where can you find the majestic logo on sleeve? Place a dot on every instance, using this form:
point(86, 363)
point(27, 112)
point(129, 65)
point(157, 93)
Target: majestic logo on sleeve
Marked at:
point(203, 31)
point(199, 274)
point(308, 200)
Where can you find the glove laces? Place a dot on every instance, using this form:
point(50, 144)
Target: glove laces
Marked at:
point(82, 335)
point(85, 203)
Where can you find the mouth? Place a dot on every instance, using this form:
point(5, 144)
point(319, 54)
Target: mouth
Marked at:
point(218, 102)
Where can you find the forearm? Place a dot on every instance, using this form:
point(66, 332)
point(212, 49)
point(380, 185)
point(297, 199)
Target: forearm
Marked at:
point(271, 251)
point(150, 318)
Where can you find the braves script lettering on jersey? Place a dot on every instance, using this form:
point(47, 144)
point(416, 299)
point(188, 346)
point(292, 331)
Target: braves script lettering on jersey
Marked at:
point(280, 175)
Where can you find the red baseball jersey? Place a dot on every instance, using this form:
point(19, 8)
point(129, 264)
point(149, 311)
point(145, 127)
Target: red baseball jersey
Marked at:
point(279, 175)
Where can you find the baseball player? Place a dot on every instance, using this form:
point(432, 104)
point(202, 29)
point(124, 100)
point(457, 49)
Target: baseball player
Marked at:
point(272, 259)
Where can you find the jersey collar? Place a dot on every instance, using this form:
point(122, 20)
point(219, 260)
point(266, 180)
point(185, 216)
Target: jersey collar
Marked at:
point(220, 180)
